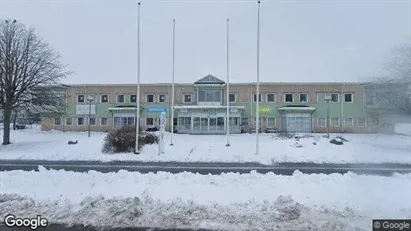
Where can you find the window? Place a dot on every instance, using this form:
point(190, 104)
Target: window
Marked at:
point(260, 122)
point(162, 98)
point(244, 121)
point(303, 97)
point(104, 98)
point(335, 97)
point(92, 121)
point(271, 122)
point(80, 121)
point(188, 98)
point(255, 98)
point(348, 98)
point(80, 99)
point(321, 122)
point(335, 122)
point(57, 121)
point(120, 99)
point(213, 96)
point(348, 122)
point(361, 122)
point(231, 98)
point(288, 97)
point(150, 98)
point(150, 121)
point(123, 122)
point(133, 98)
point(69, 121)
point(270, 97)
point(103, 121)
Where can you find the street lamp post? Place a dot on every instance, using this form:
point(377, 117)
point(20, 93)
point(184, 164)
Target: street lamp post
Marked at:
point(327, 99)
point(90, 99)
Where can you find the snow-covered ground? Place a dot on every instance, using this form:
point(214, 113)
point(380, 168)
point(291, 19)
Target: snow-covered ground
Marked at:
point(227, 201)
point(361, 148)
point(403, 128)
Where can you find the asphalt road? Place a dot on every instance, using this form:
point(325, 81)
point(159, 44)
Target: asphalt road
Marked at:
point(205, 168)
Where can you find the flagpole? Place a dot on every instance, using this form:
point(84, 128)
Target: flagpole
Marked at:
point(228, 87)
point(172, 85)
point(136, 149)
point(257, 106)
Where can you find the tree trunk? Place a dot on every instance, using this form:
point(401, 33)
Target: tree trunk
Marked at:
point(14, 121)
point(6, 123)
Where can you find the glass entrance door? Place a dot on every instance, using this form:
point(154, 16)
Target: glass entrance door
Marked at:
point(213, 124)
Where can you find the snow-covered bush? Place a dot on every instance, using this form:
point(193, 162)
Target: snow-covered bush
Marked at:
point(124, 140)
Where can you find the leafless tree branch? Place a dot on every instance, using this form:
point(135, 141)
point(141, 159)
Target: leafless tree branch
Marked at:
point(30, 74)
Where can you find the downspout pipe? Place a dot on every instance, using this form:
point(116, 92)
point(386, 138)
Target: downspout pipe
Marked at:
point(342, 108)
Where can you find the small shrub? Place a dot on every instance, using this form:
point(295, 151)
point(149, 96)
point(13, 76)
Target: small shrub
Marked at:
point(124, 140)
point(342, 138)
point(285, 135)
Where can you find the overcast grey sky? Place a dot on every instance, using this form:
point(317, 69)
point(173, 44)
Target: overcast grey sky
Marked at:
point(300, 40)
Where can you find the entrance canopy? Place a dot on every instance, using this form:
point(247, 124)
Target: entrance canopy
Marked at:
point(297, 109)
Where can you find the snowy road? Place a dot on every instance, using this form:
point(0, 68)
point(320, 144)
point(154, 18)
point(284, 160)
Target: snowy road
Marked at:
point(206, 168)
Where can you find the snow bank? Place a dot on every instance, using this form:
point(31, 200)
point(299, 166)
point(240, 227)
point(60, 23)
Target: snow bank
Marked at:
point(283, 214)
point(403, 128)
point(361, 148)
point(227, 201)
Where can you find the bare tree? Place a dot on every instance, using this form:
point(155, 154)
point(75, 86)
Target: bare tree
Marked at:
point(397, 85)
point(29, 72)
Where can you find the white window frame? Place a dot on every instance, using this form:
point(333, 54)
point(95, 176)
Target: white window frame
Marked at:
point(260, 98)
point(129, 98)
point(191, 97)
point(338, 124)
point(95, 121)
point(154, 122)
point(285, 97)
point(352, 97)
point(349, 125)
point(266, 97)
point(154, 98)
point(235, 98)
point(318, 122)
point(318, 98)
point(84, 121)
point(165, 96)
point(365, 122)
point(124, 98)
point(268, 124)
point(65, 121)
point(338, 97)
point(299, 97)
point(101, 119)
point(55, 121)
point(101, 98)
point(84, 98)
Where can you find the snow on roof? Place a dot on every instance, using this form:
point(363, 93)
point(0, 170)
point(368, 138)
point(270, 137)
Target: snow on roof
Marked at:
point(207, 107)
point(297, 108)
point(122, 109)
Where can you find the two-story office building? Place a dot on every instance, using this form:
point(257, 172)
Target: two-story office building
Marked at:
point(200, 107)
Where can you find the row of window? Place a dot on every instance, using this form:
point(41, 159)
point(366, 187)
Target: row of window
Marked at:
point(188, 98)
point(150, 98)
point(300, 97)
point(321, 122)
point(103, 121)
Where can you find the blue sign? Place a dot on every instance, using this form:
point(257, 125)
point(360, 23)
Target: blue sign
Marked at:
point(156, 109)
